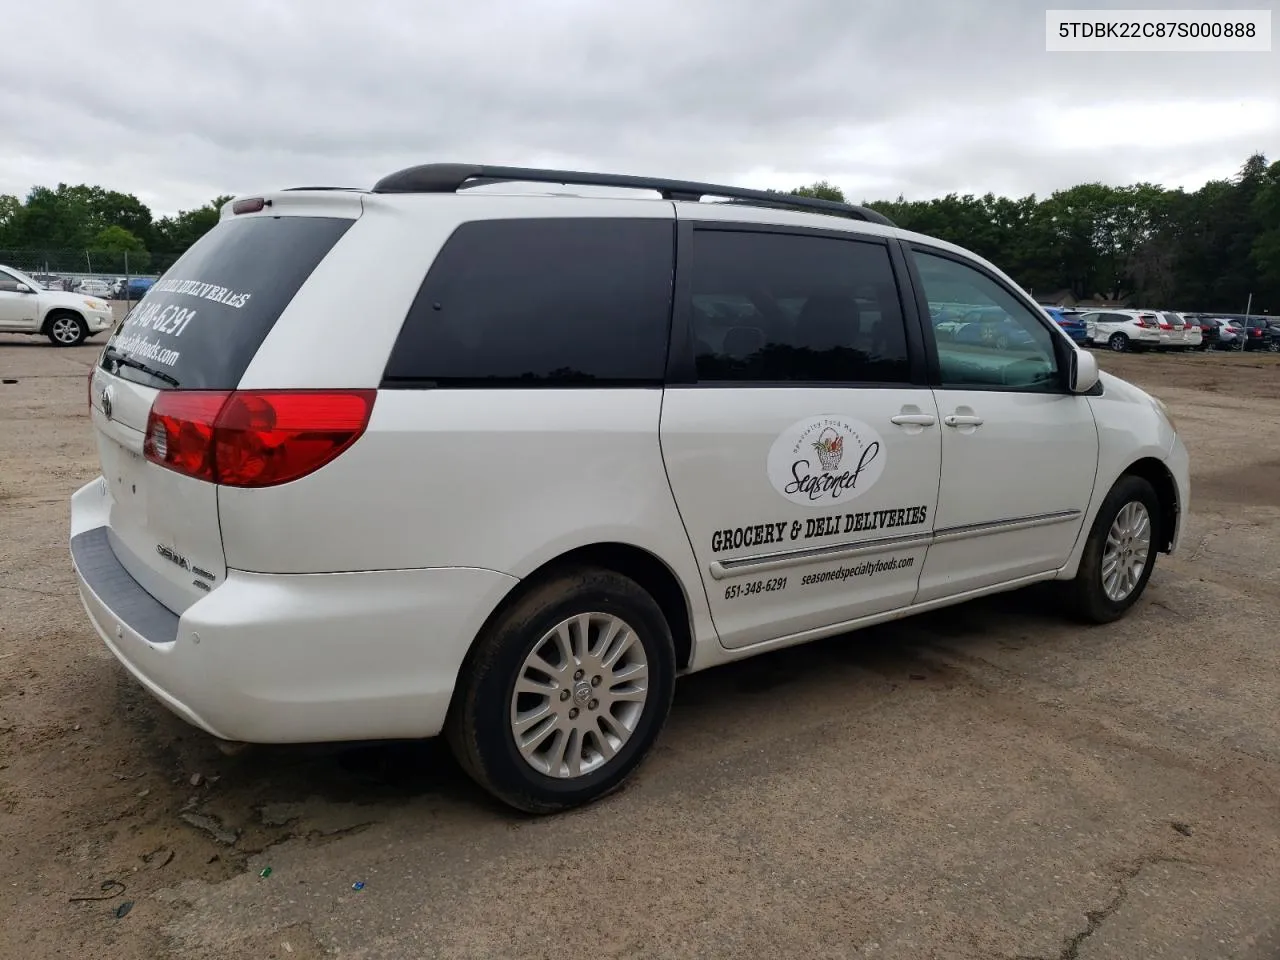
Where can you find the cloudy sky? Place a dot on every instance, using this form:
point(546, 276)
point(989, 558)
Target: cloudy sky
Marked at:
point(180, 100)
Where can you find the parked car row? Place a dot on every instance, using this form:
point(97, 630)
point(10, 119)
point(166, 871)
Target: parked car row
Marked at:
point(1124, 330)
point(134, 288)
point(1252, 333)
point(1118, 329)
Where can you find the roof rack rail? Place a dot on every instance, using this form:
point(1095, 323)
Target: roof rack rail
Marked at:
point(345, 189)
point(452, 177)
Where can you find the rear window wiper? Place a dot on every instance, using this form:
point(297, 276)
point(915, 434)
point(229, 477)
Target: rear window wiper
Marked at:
point(126, 361)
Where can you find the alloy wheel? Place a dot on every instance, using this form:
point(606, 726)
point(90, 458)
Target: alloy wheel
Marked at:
point(579, 695)
point(1128, 545)
point(65, 330)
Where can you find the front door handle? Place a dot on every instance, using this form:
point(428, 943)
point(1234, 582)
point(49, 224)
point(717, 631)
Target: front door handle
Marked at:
point(958, 420)
point(917, 419)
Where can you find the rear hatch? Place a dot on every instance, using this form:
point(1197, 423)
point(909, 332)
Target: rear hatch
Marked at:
point(1176, 326)
point(193, 334)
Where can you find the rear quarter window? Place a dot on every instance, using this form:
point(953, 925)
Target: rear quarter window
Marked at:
point(201, 323)
point(558, 302)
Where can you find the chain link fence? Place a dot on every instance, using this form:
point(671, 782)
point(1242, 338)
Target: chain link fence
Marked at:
point(69, 269)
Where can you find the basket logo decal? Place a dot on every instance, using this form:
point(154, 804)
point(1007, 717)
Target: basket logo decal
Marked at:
point(825, 460)
point(830, 447)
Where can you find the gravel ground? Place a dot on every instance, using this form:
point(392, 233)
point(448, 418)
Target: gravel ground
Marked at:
point(984, 782)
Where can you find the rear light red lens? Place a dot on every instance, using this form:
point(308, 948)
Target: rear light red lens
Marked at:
point(180, 431)
point(265, 438)
point(254, 438)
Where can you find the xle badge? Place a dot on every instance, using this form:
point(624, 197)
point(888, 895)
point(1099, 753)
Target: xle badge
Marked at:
point(826, 460)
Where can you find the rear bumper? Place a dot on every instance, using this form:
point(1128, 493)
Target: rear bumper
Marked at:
point(291, 658)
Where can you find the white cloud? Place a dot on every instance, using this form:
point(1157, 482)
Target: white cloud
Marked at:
point(881, 96)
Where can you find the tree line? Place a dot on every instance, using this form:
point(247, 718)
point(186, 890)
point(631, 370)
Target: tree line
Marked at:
point(1207, 250)
point(70, 227)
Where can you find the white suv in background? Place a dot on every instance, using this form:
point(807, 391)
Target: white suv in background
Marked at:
point(67, 319)
point(1124, 330)
point(573, 448)
point(94, 287)
point(1180, 333)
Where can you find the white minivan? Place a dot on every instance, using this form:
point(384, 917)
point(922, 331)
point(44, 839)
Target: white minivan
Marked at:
point(568, 448)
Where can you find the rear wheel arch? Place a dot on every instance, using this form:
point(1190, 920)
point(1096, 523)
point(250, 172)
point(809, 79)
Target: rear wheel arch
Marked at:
point(1161, 480)
point(649, 571)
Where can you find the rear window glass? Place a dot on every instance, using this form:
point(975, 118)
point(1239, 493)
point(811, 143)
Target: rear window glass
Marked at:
point(201, 323)
point(542, 303)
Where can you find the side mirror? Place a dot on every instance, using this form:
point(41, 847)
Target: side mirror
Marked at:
point(1084, 371)
point(22, 288)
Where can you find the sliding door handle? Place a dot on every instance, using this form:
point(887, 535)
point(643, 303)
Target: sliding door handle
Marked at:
point(918, 419)
point(957, 420)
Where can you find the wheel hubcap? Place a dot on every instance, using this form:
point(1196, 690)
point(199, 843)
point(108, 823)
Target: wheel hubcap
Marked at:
point(1125, 555)
point(65, 330)
point(579, 695)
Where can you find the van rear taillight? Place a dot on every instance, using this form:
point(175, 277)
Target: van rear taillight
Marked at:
point(254, 438)
point(180, 431)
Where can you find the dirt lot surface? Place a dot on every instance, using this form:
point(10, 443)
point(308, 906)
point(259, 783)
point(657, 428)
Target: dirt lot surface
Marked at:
point(985, 782)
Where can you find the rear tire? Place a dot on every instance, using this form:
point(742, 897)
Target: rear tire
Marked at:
point(1119, 343)
point(66, 330)
point(578, 726)
point(1125, 533)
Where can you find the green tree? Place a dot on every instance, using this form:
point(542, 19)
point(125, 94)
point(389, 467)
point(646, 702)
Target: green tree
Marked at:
point(175, 234)
point(117, 240)
point(113, 209)
point(1265, 253)
point(11, 210)
point(54, 219)
point(822, 190)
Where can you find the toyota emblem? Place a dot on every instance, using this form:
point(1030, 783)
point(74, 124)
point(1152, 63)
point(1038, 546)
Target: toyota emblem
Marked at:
point(106, 402)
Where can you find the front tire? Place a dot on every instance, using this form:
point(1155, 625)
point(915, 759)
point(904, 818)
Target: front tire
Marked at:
point(1119, 554)
point(565, 692)
point(66, 330)
point(1118, 342)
